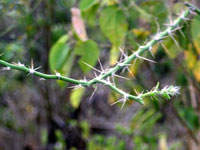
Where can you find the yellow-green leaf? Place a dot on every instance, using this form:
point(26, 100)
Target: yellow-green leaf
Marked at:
point(190, 58)
point(114, 55)
point(196, 71)
point(196, 32)
point(141, 33)
point(75, 97)
point(171, 48)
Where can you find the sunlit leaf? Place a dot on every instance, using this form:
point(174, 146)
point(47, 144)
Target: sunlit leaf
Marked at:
point(140, 33)
point(75, 97)
point(197, 44)
point(163, 142)
point(196, 71)
point(178, 7)
point(114, 55)
point(134, 67)
point(190, 58)
point(109, 2)
point(112, 97)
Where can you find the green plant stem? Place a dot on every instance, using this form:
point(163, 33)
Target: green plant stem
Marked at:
point(119, 91)
point(197, 10)
point(101, 78)
point(149, 45)
point(141, 49)
point(151, 93)
point(41, 75)
point(66, 79)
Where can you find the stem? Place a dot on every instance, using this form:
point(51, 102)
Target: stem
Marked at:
point(42, 75)
point(151, 93)
point(126, 95)
point(197, 10)
point(101, 78)
point(141, 49)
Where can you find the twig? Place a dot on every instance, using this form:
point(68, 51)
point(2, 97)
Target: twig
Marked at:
point(103, 77)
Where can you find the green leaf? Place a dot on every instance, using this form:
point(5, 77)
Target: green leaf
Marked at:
point(86, 4)
point(157, 9)
point(66, 69)
point(60, 140)
point(196, 71)
point(178, 7)
point(109, 2)
point(44, 136)
point(165, 95)
point(113, 24)
point(145, 15)
point(114, 55)
point(85, 129)
point(196, 32)
point(89, 53)
point(75, 97)
point(90, 15)
point(61, 58)
point(58, 53)
point(189, 116)
point(195, 27)
point(157, 86)
point(10, 50)
point(190, 58)
point(171, 48)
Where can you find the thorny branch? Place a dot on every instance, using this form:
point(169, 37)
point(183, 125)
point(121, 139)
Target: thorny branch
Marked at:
point(103, 77)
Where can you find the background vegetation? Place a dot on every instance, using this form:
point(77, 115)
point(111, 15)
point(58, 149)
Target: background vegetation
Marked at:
point(62, 34)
